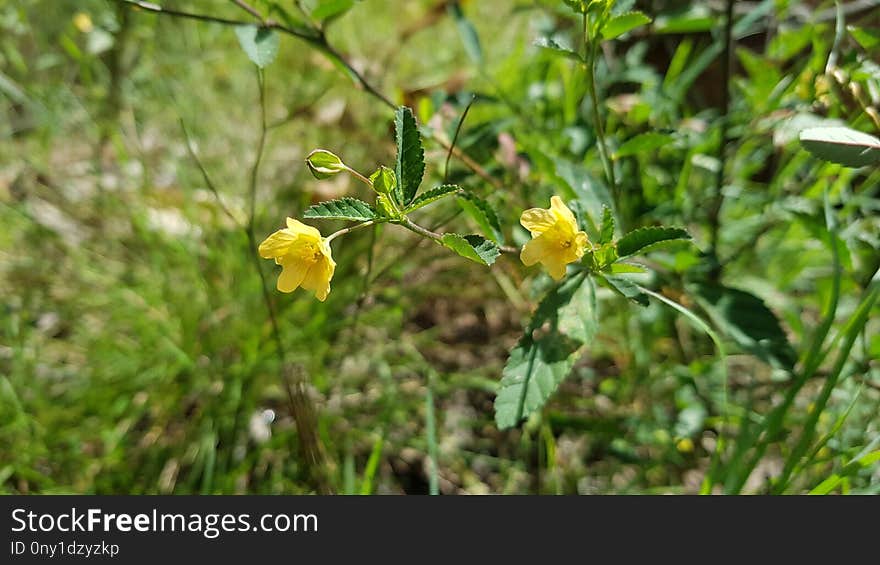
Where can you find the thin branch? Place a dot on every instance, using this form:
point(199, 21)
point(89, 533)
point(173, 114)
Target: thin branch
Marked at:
point(455, 138)
point(207, 179)
point(318, 40)
point(249, 9)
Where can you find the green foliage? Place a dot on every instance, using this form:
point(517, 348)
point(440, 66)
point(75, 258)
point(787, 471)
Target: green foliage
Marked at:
point(342, 209)
point(747, 320)
point(432, 196)
point(644, 239)
point(566, 320)
point(643, 143)
point(330, 9)
point(484, 214)
point(623, 23)
point(136, 347)
point(468, 33)
point(410, 165)
point(473, 247)
point(842, 145)
point(260, 44)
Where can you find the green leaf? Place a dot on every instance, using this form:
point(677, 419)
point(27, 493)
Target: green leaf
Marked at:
point(695, 19)
point(607, 233)
point(627, 268)
point(484, 214)
point(618, 25)
point(324, 164)
point(260, 44)
point(547, 43)
point(432, 195)
point(384, 181)
point(869, 38)
point(643, 143)
point(343, 209)
point(644, 238)
point(473, 247)
point(627, 288)
point(842, 145)
point(410, 155)
point(747, 320)
point(468, 33)
point(327, 9)
point(545, 354)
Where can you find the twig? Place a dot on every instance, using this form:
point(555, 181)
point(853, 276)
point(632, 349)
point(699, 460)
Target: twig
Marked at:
point(455, 138)
point(249, 9)
point(318, 40)
point(207, 179)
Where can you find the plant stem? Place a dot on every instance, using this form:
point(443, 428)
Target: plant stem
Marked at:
point(355, 227)
point(408, 224)
point(300, 404)
point(590, 51)
point(359, 176)
point(718, 198)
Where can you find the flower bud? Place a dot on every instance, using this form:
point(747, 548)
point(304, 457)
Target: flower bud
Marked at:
point(324, 164)
point(384, 181)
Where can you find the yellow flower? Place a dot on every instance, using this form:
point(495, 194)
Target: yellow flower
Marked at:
point(556, 241)
point(83, 22)
point(304, 257)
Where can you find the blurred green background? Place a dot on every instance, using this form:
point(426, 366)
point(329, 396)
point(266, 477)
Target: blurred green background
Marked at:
point(136, 353)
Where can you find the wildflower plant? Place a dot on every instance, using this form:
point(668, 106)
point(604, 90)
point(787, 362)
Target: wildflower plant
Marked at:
point(566, 318)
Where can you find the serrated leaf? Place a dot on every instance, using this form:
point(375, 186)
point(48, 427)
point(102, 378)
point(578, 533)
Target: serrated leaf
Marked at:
point(468, 33)
point(643, 238)
point(410, 156)
point(545, 354)
point(841, 145)
point(627, 288)
point(260, 44)
point(547, 43)
point(643, 143)
point(484, 214)
point(749, 322)
point(473, 247)
point(343, 209)
point(432, 195)
point(607, 231)
point(623, 23)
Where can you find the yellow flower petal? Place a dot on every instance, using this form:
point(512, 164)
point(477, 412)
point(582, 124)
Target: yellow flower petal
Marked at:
point(292, 275)
point(533, 251)
point(277, 244)
point(561, 211)
point(556, 240)
point(318, 278)
point(555, 265)
point(537, 220)
point(298, 228)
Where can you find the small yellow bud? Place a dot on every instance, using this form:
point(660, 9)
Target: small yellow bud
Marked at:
point(685, 445)
point(83, 22)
